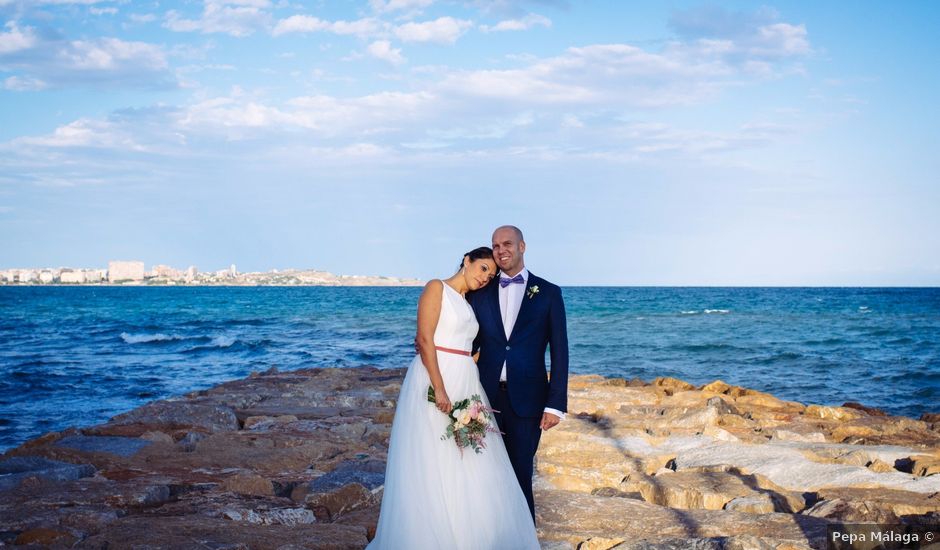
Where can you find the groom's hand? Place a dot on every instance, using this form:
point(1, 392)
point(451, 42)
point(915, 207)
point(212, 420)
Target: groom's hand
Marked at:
point(549, 421)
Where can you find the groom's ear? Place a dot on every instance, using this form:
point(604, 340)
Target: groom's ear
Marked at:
point(521, 246)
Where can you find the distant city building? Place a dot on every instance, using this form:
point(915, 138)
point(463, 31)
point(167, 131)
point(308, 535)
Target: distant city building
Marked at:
point(125, 271)
point(167, 272)
point(191, 274)
point(73, 277)
point(28, 276)
point(233, 272)
point(46, 276)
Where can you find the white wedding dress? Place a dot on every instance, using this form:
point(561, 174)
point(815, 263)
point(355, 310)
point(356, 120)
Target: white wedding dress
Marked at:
point(434, 497)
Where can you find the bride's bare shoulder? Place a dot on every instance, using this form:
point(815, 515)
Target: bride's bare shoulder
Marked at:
point(433, 289)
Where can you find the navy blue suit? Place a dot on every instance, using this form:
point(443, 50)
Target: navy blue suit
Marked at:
point(540, 325)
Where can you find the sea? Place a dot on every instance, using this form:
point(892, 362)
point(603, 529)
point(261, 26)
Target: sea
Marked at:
point(76, 356)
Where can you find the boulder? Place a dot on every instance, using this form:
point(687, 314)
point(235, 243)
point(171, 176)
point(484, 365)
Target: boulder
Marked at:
point(329, 505)
point(832, 413)
point(178, 414)
point(120, 446)
point(15, 469)
point(279, 516)
point(877, 502)
point(248, 484)
point(369, 473)
point(672, 385)
point(925, 465)
point(757, 504)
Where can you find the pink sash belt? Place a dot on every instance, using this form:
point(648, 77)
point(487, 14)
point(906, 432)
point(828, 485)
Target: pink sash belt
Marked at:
point(448, 350)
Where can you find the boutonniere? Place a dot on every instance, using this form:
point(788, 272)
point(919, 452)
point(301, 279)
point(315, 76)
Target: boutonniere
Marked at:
point(533, 290)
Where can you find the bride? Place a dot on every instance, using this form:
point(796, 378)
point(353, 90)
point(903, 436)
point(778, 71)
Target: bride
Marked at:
point(435, 496)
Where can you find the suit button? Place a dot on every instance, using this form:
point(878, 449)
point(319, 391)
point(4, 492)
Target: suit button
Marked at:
point(507, 348)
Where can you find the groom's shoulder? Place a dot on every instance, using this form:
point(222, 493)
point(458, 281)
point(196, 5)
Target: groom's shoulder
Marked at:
point(544, 284)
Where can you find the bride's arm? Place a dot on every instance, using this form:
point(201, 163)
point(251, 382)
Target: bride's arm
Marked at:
point(429, 310)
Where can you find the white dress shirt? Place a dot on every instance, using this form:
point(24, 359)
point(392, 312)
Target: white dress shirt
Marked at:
point(510, 302)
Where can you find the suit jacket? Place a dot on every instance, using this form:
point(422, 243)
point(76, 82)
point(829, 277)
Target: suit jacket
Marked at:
point(541, 324)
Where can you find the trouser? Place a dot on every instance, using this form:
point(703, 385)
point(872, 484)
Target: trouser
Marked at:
point(521, 436)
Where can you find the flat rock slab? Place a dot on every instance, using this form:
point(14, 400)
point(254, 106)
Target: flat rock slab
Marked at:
point(115, 445)
point(196, 532)
point(710, 490)
point(576, 517)
point(297, 408)
point(15, 469)
point(789, 468)
point(176, 414)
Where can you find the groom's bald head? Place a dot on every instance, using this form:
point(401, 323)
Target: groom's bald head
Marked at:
point(510, 227)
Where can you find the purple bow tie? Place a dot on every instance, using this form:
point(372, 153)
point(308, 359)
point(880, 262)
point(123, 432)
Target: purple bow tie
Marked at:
point(506, 281)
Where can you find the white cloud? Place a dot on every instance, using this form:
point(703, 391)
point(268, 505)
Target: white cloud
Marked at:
point(382, 49)
point(525, 23)
point(56, 63)
point(384, 6)
point(567, 104)
point(23, 84)
point(108, 54)
point(781, 39)
point(68, 2)
point(234, 17)
point(85, 133)
point(323, 117)
point(300, 23)
point(443, 30)
point(142, 17)
point(752, 34)
point(16, 39)
point(307, 23)
point(102, 11)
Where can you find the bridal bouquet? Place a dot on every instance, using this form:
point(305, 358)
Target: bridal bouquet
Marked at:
point(470, 420)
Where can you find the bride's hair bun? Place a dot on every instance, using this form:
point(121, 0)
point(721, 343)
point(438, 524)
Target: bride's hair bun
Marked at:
point(478, 254)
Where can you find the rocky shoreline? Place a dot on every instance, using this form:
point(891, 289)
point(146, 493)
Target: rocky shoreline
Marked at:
point(291, 460)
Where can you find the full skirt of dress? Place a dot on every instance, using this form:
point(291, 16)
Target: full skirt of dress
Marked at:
point(436, 497)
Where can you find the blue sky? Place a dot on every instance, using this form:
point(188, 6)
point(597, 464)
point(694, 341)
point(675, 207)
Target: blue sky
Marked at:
point(636, 143)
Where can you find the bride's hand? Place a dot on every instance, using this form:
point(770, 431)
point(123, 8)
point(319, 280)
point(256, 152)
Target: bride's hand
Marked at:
point(442, 401)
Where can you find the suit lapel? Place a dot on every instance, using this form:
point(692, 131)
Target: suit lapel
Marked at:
point(526, 308)
point(496, 316)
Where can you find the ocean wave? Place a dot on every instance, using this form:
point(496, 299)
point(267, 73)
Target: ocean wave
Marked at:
point(722, 311)
point(216, 343)
point(148, 338)
point(223, 341)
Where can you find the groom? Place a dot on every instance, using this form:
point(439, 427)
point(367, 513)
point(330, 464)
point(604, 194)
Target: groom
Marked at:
point(519, 318)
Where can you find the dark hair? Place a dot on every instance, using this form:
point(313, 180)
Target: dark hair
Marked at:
point(480, 253)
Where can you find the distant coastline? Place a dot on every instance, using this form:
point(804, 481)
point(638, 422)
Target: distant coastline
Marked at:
point(132, 274)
